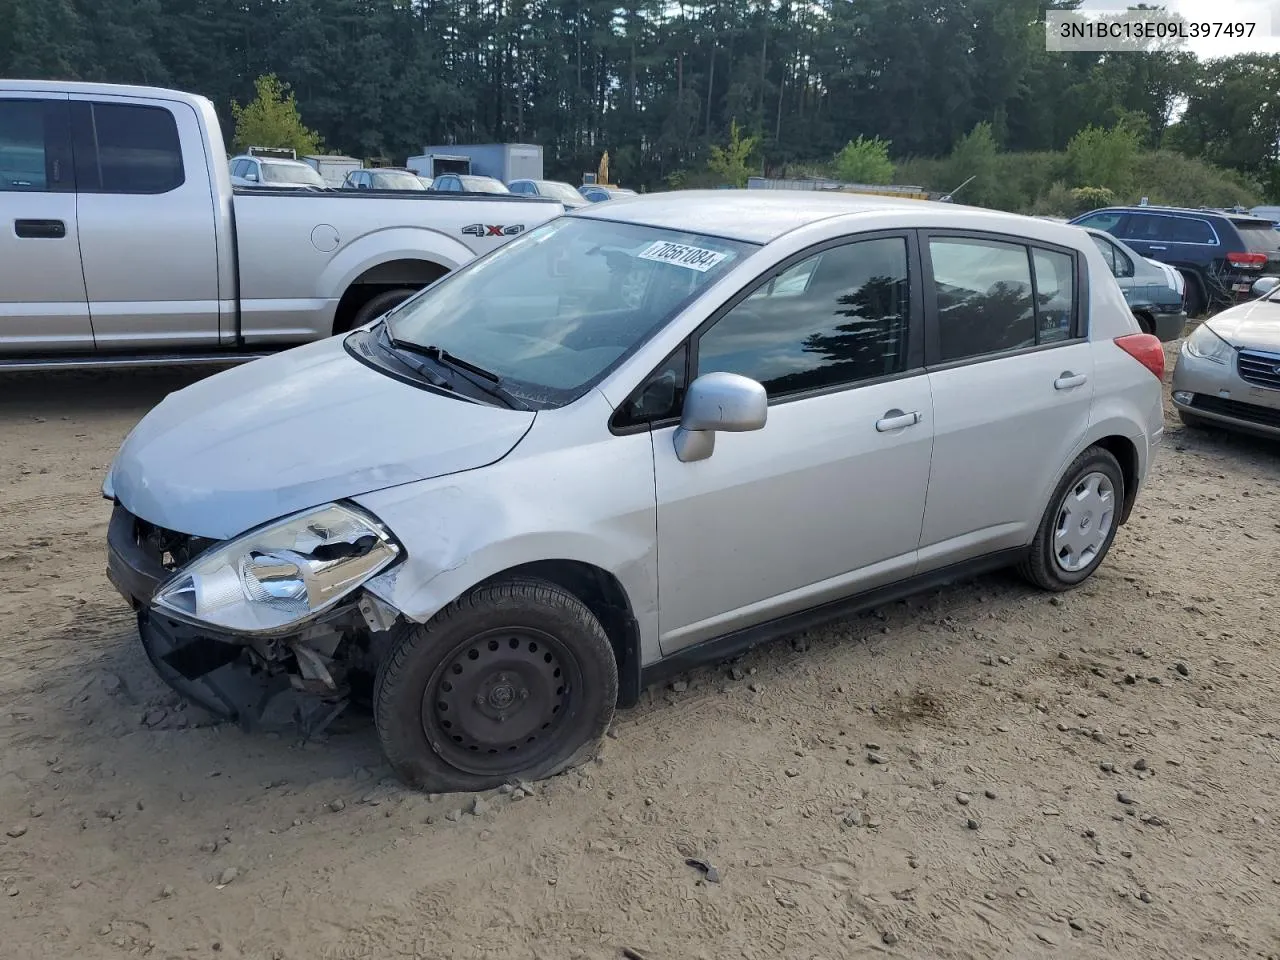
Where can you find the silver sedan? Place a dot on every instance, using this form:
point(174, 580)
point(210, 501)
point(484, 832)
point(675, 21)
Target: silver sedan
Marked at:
point(1228, 372)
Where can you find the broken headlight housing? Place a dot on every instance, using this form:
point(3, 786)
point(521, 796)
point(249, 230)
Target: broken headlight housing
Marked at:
point(281, 574)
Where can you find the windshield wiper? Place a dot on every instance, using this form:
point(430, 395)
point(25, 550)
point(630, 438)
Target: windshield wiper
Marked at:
point(478, 376)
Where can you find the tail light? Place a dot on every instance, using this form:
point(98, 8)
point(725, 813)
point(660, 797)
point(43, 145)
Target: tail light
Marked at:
point(1251, 261)
point(1146, 349)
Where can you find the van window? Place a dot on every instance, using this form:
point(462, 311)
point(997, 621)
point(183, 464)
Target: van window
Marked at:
point(125, 148)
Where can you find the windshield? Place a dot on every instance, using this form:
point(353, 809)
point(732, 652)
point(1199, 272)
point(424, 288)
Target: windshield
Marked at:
point(559, 191)
point(396, 180)
point(553, 311)
point(482, 185)
point(291, 173)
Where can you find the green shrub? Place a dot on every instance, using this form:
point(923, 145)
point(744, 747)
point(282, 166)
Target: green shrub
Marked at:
point(864, 161)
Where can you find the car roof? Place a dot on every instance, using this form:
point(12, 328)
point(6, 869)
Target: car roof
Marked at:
point(761, 216)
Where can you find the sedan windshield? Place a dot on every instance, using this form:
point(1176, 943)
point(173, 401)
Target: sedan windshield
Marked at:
point(298, 173)
point(396, 180)
point(553, 311)
point(482, 185)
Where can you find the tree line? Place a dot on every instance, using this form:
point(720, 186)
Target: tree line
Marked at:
point(658, 83)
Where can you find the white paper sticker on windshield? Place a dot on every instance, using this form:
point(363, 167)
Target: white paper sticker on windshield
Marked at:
point(695, 258)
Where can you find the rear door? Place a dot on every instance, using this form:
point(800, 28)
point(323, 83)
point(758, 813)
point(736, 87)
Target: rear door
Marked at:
point(43, 305)
point(147, 217)
point(1171, 238)
point(1011, 373)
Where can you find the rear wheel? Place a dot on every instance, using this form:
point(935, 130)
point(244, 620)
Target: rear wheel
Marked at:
point(515, 680)
point(1195, 299)
point(1079, 524)
point(379, 304)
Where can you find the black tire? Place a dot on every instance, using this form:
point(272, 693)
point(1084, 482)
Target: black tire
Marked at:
point(380, 304)
point(1145, 323)
point(527, 638)
point(1192, 421)
point(1195, 298)
point(1042, 565)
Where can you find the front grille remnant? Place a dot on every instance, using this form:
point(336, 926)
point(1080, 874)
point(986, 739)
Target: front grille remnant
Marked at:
point(1262, 369)
point(168, 548)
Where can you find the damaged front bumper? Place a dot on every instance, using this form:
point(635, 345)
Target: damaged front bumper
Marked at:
point(299, 681)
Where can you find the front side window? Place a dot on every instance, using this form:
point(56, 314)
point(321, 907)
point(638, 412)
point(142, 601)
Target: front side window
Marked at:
point(124, 148)
point(836, 318)
point(553, 311)
point(983, 289)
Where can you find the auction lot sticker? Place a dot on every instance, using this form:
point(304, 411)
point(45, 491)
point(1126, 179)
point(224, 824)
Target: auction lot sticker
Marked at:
point(695, 258)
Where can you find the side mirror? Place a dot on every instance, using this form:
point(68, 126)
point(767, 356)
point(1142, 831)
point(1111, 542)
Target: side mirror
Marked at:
point(1264, 285)
point(715, 402)
point(251, 176)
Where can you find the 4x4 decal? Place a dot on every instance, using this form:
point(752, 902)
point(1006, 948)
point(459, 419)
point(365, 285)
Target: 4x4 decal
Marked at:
point(486, 230)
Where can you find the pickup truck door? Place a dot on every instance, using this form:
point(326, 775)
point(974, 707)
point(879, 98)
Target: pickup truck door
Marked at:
point(43, 306)
point(147, 223)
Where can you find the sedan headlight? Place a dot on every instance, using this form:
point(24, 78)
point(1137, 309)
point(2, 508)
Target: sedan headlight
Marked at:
point(278, 575)
point(1207, 345)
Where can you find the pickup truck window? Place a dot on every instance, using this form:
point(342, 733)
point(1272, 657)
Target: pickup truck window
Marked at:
point(123, 148)
point(34, 151)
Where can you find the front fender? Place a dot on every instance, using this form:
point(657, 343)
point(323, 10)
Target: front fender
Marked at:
point(534, 505)
point(384, 246)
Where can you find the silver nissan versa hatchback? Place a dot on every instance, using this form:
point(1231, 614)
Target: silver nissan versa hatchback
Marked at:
point(647, 434)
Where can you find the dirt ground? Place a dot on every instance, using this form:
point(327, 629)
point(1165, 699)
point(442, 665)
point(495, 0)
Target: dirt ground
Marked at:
point(981, 772)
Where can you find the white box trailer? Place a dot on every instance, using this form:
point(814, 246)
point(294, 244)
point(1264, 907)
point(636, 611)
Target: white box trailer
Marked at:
point(333, 168)
point(502, 161)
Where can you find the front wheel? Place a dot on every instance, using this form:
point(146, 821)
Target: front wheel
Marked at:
point(1079, 524)
point(517, 679)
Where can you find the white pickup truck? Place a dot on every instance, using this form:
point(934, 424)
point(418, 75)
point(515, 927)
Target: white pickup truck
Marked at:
point(123, 242)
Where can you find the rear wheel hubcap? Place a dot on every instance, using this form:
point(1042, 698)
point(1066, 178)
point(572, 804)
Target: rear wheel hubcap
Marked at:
point(1085, 517)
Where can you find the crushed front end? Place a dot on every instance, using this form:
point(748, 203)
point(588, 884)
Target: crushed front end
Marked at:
point(269, 629)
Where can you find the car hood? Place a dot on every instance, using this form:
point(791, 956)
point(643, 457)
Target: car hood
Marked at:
point(1254, 325)
point(300, 428)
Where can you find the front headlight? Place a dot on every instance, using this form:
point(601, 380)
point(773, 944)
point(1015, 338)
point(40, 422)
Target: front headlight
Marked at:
point(276, 576)
point(1207, 345)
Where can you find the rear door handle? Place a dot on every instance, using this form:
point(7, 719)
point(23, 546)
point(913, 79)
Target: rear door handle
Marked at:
point(40, 229)
point(896, 420)
point(1154, 247)
point(1068, 380)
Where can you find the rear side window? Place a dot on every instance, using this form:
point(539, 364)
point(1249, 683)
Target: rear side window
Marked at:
point(1170, 229)
point(34, 154)
point(983, 291)
point(1108, 254)
point(1106, 221)
point(126, 148)
point(993, 296)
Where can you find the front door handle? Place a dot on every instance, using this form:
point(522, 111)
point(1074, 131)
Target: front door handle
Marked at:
point(896, 420)
point(40, 229)
point(1068, 380)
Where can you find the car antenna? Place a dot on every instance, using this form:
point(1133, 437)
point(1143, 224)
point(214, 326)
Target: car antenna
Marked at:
point(946, 197)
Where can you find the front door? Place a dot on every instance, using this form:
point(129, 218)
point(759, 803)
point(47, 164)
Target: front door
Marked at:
point(1011, 371)
point(147, 223)
point(43, 306)
point(826, 500)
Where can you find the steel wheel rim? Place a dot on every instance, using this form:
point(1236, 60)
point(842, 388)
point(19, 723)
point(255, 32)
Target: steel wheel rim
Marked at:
point(498, 701)
point(1084, 521)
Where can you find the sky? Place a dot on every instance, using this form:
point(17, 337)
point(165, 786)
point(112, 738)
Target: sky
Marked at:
point(1215, 11)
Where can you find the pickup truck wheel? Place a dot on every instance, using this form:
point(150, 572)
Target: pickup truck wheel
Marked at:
point(380, 304)
point(517, 679)
point(1079, 524)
